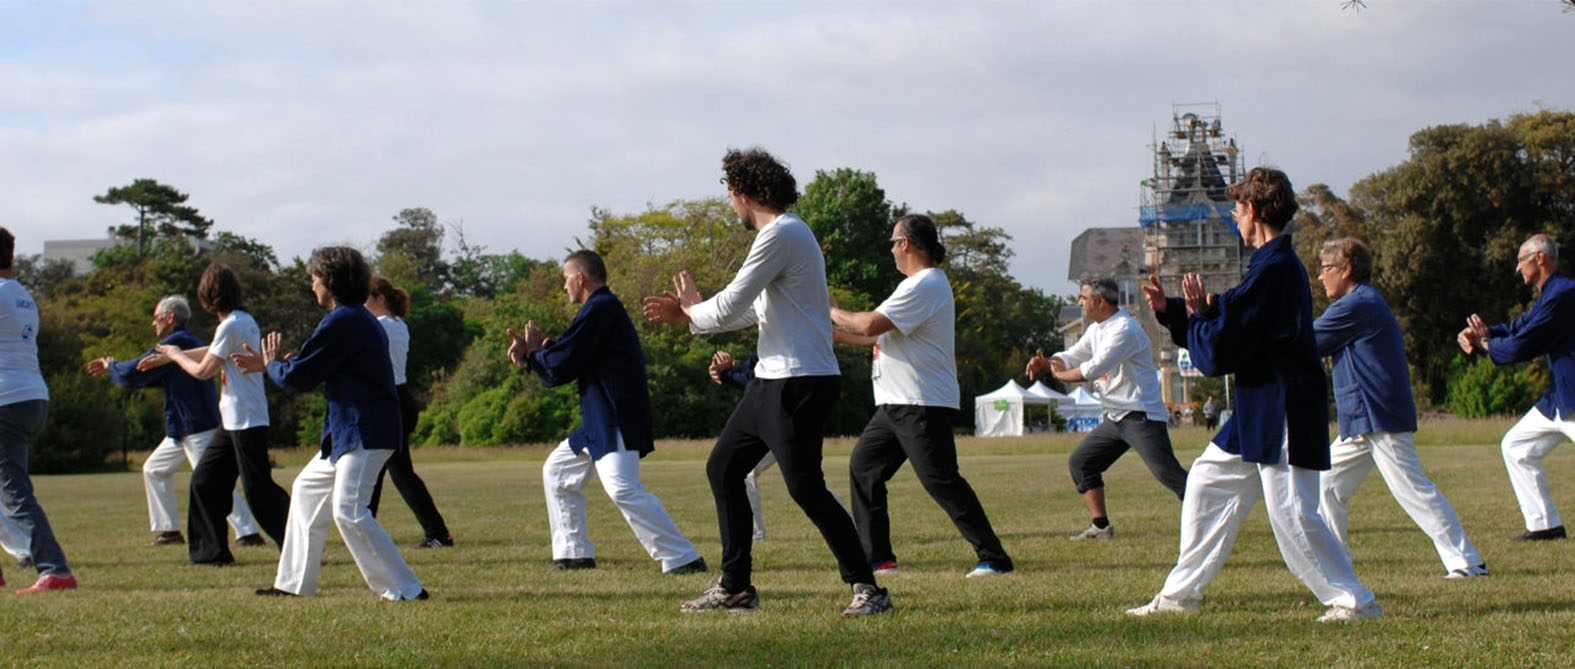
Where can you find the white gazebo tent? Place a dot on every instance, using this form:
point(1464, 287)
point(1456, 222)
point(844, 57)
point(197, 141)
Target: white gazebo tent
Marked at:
point(1061, 404)
point(999, 413)
point(1084, 414)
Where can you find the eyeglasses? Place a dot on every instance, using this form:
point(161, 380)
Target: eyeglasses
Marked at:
point(1328, 266)
point(894, 240)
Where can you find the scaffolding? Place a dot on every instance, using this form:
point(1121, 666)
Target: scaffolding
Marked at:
point(1185, 216)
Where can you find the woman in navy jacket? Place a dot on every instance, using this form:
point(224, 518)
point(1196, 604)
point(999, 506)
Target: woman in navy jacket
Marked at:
point(348, 355)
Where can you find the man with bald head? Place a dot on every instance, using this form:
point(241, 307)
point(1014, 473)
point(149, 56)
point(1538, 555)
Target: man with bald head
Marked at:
point(1546, 329)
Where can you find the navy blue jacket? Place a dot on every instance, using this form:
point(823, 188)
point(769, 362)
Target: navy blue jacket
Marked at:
point(190, 405)
point(1548, 329)
point(1262, 331)
point(348, 354)
point(740, 375)
point(601, 351)
point(1372, 384)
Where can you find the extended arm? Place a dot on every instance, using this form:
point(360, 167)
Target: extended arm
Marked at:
point(196, 362)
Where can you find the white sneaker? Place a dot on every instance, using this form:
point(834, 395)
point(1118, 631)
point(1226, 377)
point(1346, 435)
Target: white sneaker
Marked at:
point(1341, 614)
point(1106, 534)
point(1163, 604)
point(1473, 572)
point(985, 569)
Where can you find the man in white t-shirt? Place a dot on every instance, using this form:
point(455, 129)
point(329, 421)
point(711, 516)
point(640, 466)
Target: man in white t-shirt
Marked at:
point(916, 401)
point(1116, 355)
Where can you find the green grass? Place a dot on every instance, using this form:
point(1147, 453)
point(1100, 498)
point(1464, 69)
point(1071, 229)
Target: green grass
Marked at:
point(493, 604)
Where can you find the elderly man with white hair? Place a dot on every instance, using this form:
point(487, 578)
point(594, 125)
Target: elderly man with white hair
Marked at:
point(191, 418)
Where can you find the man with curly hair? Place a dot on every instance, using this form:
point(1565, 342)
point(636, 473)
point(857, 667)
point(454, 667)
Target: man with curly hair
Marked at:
point(782, 288)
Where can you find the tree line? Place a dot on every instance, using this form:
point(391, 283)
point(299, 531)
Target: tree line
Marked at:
point(462, 299)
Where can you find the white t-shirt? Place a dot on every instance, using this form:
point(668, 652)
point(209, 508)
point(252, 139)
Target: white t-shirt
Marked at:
point(398, 345)
point(243, 401)
point(782, 288)
point(20, 378)
point(1116, 356)
point(916, 363)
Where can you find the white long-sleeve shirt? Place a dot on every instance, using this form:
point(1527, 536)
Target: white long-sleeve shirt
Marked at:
point(1115, 354)
point(782, 288)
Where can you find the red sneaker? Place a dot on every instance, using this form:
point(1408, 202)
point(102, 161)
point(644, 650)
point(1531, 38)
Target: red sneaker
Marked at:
point(50, 582)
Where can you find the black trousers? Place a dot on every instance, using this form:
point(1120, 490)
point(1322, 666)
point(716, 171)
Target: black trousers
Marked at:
point(1108, 442)
point(922, 435)
point(403, 472)
point(242, 453)
point(786, 417)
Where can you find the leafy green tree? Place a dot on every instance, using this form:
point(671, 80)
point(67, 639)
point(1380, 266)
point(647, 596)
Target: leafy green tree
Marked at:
point(161, 210)
point(42, 278)
point(258, 254)
point(852, 220)
point(418, 238)
point(1446, 225)
point(476, 273)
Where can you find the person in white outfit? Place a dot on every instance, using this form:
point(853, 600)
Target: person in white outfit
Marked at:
point(1547, 330)
point(1277, 441)
point(348, 355)
point(1372, 396)
point(600, 351)
point(191, 419)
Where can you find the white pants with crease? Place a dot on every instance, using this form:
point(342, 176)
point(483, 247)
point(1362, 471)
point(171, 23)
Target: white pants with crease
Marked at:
point(564, 476)
point(1395, 456)
point(1524, 446)
point(1221, 490)
point(158, 480)
point(336, 493)
point(12, 540)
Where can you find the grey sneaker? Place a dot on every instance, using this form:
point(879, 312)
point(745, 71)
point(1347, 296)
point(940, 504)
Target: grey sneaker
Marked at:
point(1095, 533)
point(718, 599)
point(1341, 614)
point(868, 600)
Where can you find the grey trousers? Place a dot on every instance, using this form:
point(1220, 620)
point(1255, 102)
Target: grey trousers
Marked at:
point(19, 423)
point(1108, 442)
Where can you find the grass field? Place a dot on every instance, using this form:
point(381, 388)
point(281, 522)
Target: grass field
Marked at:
point(493, 604)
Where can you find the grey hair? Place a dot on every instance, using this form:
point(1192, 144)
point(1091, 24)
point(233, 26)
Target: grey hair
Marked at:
point(177, 305)
point(1545, 244)
point(1105, 287)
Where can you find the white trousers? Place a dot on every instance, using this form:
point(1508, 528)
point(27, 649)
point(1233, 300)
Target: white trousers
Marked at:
point(13, 541)
point(1221, 491)
point(565, 474)
point(1524, 446)
point(158, 479)
point(327, 492)
point(1398, 464)
point(752, 490)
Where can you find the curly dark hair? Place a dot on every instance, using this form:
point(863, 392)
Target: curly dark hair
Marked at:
point(219, 291)
point(395, 298)
point(7, 248)
point(343, 271)
point(1269, 192)
point(757, 175)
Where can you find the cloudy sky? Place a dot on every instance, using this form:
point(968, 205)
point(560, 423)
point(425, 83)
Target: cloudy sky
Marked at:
point(301, 124)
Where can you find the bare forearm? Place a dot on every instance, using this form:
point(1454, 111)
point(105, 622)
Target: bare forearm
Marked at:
point(847, 337)
point(867, 323)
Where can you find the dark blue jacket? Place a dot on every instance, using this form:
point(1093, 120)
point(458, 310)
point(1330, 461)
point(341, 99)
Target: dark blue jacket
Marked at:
point(1372, 384)
point(1262, 331)
point(348, 354)
point(190, 405)
point(740, 375)
point(1548, 329)
point(601, 351)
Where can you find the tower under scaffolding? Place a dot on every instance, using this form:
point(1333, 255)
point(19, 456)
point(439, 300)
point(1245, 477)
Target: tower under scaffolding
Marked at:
point(1186, 218)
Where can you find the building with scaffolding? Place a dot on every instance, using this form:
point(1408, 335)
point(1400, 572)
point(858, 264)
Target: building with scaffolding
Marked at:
point(1186, 218)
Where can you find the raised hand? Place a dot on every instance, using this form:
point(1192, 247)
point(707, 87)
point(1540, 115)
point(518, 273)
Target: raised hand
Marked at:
point(250, 361)
point(1196, 295)
point(721, 361)
point(99, 366)
point(1465, 340)
point(272, 343)
point(517, 348)
point(1036, 364)
point(1154, 293)
point(150, 361)
point(664, 309)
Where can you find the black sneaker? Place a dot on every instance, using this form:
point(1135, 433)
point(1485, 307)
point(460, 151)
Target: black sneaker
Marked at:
point(253, 539)
point(695, 567)
point(271, 591)
point(868, 600)
point(719, 599)
point(437, 542)
point(568, 564)
point(168, 539)
point(1540, 535)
